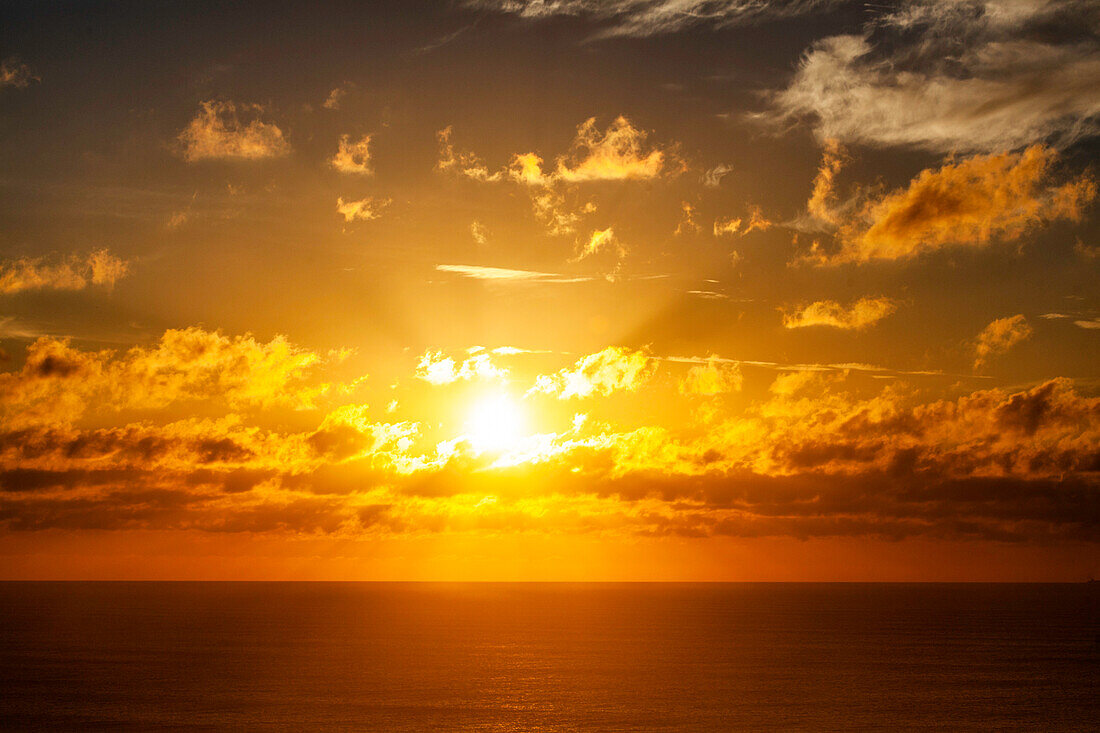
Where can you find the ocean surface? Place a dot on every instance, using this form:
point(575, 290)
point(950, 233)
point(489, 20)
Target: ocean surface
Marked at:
point(548, 657)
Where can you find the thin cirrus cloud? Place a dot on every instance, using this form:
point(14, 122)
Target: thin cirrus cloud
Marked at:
point(76, 272)
point(643, 18)
point(505, 275)
point(859, 315)
point(972, 202)
point(226, 130)
point(998, 337)
point(954, 76)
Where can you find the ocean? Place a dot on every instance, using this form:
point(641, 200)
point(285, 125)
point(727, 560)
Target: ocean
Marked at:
point(548, 657)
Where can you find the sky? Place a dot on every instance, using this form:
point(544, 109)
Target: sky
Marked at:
point(550, 290)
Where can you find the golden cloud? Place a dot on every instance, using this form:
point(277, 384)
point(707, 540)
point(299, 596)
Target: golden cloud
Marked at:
point(59, 383)
point(713, 378)
point(614, 369)
point(616, 154)
point(859, 315)
point(968, 203)
point(464, 163)
point(353, 157)
point(99, 267)
point(365, 209)
point(1000, 336)
point(437, 368)
point(218, 131)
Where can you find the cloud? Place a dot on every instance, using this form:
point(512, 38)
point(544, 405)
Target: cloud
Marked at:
point(712, 177)
point(859, 315)
point(464, 163)
point(100, 267)
point(14, 73)
point(1091, 324)
point(478, 232)
point(353, 157)
point(732, 225)
point(713, 378)
point(643, 18)
point(616, 154)
point(365, 209)
point(336, 97)
point(59, 382)
point(504, 275)
point(1000, 336)
point(218, 131)
point(973, 76)
point(811, 458)
point(823, 198)
point(437, 368)
point(968, 203)
point(687, 224)
point(614, 369)
point(526, 168)
point(601, 240)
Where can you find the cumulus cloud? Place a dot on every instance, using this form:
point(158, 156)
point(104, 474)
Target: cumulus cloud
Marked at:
point(616, 154)
point(1000, 336)
point(642, 18)
point(228, 130)
point(963, 75)
point(966, 203)
point(100, 267)
point(364, 209)
point(60, 382)
point(857, 316)
point(353, 157)
point(14, 73)
point(614, 369)
point(435, 367)
point(811, 458)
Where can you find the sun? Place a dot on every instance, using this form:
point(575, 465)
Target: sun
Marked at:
point(496, 422)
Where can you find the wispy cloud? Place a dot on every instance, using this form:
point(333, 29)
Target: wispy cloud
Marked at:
point(955, 76)
point(75, 272)
point(642, 18)
point(504, 275)
point(365, 209)
point(857, 316)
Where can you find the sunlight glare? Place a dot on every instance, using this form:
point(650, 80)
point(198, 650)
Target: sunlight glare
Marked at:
point(496, 422)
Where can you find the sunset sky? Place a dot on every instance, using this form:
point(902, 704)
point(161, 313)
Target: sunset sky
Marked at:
point(550, 290)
